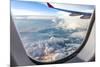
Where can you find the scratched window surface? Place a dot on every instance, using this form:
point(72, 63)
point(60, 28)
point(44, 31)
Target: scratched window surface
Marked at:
point(50, 31)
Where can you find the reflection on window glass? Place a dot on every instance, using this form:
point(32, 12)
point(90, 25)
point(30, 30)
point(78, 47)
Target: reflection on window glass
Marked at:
point(51, 31)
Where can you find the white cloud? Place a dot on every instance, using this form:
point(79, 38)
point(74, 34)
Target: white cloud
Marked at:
point(72, 22)
point(81, 34)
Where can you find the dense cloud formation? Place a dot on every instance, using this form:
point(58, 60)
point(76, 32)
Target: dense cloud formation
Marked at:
point(50, 50)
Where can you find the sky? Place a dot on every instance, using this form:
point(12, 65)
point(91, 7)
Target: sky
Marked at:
point(40, 8)
point(90, 2)
point(19, 8)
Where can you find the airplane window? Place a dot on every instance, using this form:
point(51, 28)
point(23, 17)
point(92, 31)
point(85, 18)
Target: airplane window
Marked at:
point(51, 31)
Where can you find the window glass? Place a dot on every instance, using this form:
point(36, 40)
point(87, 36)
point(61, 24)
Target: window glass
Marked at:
point(50, 31)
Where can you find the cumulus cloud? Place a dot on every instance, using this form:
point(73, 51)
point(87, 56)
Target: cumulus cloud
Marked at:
point(49, 50)
point(71, 22)
point(80, 34)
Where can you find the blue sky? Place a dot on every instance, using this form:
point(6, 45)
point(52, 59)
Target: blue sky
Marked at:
point(39, 8)
point(35, 7)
